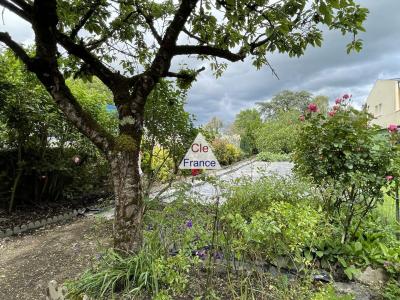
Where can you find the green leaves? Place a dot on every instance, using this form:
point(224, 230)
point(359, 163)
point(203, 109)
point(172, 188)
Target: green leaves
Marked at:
point(347, 158)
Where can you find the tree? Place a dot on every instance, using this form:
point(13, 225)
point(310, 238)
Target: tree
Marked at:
point(246, 124)
point(278, 135)
point(285, 101)
point(214, 126)
point(141, 38)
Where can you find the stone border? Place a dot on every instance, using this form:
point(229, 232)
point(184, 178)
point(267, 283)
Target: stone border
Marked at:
point(40, 223)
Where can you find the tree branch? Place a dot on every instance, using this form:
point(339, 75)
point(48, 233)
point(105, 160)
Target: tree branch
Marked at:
point(202, 42)
point(150, 23)
point(84, 19)
point(18, 11)
point(185, 75)
point(16, 48)
point(23, 4)
point(209, 50)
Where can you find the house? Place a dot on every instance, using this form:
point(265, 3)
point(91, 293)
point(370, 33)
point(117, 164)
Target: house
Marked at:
point(383, 102)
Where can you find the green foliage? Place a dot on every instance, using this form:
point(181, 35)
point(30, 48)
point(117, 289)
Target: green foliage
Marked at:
point(225, 152)
point(132, 275)
point(270, 156)
point(279, 134)
point(329, 293)
point(374, 245)
point(158, 163)
point(167, 124)
point(249, 197)
point(246, 124)
point(38, 143)
point(392, 290)
point(285, 101)
point(271, 218)
point(153, 271)
point(273, 232)
point(234, 29)
point(348, 159)
point(322, 102)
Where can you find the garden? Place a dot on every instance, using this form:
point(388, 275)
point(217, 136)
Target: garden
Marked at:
point(94, 127)
point(278, 237)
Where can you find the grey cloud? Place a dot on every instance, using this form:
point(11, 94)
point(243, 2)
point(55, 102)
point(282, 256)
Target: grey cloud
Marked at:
point(327, 70)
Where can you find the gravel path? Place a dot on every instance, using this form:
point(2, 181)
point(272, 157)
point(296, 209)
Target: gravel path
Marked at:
point(29, 262)
point(249, 169)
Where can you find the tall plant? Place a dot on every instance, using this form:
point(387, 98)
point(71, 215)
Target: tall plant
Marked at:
point(347, 158)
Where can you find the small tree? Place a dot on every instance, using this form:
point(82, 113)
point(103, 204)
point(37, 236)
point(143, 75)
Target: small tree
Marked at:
point(347, 158)
point(246, 124)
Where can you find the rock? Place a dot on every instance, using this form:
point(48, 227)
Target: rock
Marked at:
point(2, 234)
point(31, 225)
point(37, 224)
point(43, 222)
point(55, 291)
point(24, 228)
point(372, 276)
point(8, 232)
point(359, 291)
point(16, 230)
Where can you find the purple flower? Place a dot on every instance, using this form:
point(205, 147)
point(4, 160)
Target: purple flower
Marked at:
point(189, 224)
point(218, 255)
point(201, 254)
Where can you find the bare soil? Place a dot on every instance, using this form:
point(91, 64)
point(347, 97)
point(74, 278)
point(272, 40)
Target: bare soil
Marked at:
point(60, 252)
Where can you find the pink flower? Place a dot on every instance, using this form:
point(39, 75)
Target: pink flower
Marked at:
point(336, 107)
point(338, 101)
point(302, 118)
point(389, 177)
point(346, 96)
point(331, 113)
point(312, 107)
point(392, 128)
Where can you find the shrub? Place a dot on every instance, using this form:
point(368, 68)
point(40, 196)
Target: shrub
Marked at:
point(225, 152)
point(270, 156)
point(282, 229)
point(158, 164)
point(249, 197)
point(347, 158)
point(278, 135)
point(271, 217)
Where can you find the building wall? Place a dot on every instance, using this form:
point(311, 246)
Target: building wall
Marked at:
point(383, 102)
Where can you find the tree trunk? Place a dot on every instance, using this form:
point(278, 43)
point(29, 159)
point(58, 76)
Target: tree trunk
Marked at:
point(129, 206)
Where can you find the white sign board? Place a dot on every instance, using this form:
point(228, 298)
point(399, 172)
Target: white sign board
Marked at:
point(200, 156)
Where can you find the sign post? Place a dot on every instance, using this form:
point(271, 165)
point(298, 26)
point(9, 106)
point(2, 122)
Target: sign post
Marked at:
point(199, 156)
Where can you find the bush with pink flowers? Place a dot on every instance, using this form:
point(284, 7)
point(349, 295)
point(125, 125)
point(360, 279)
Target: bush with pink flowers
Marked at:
point(348, 158)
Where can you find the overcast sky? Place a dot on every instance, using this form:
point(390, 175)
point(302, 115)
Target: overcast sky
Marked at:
point(327, 70)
